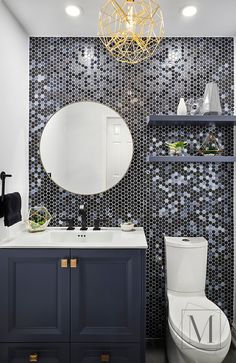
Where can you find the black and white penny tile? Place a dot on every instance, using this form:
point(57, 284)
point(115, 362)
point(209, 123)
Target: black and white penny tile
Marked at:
point(173, 199)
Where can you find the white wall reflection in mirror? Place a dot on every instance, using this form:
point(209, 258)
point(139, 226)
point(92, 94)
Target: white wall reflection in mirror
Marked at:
point(86, 148)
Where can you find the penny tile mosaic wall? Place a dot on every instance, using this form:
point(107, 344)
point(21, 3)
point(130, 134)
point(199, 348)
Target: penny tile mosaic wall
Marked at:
point(174, 199)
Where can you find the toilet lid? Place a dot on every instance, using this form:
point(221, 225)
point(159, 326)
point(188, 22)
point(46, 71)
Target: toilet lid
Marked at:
point(199, 322)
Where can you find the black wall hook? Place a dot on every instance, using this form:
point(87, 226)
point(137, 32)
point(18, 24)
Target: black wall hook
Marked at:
point(3, 177)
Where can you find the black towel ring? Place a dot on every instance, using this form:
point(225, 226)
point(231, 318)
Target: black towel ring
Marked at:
point(3, 177)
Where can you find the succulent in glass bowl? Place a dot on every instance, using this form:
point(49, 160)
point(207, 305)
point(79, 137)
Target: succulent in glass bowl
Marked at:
point(38, 220)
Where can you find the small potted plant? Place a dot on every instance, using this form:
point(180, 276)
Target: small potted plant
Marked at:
point(176, 148)
point(127, 226)
point(39, 219)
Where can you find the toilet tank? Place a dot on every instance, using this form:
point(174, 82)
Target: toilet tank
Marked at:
point(186, 263)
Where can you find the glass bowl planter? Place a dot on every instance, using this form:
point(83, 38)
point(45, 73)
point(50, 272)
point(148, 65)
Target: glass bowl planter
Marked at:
point(38, 220)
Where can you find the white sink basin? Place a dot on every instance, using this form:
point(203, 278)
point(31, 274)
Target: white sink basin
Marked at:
point(82, 237)
point(55, 237)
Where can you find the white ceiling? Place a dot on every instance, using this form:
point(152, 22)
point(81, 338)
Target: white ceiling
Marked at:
point(47, 17)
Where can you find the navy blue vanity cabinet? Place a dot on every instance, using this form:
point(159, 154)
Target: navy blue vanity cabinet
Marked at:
point(72, 306)
point(37, 352)
point(105, 296)
point(110, 353)
point(35, 289)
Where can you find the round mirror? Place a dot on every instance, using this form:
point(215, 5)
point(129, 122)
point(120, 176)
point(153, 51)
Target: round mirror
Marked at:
point(86, 148)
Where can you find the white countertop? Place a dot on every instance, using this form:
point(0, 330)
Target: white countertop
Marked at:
point(56, 237)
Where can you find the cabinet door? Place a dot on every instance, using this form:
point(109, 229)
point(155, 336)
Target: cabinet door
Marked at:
point(106, 290)
point(35, 296)
point(35, 352)
point(109, 353)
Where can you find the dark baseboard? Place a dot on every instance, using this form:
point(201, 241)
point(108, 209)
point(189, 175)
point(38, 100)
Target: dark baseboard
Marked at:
point(234, 337)
point(156, 350)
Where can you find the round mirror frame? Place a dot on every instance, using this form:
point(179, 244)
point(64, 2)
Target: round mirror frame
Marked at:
point(69, 191)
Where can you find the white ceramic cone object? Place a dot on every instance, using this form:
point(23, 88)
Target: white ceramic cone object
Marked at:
point(182, 108)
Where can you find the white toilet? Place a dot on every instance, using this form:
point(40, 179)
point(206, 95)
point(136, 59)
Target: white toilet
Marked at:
point(198, 331)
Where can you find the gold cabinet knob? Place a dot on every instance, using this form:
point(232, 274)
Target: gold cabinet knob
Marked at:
point(64, 263)
point(105, 357)
point(73, 263)
point(33, 357)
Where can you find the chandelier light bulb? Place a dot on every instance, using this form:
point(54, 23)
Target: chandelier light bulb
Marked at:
point(130, 18)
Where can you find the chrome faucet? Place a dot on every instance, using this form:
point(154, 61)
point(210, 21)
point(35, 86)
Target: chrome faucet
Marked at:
point(82, 213)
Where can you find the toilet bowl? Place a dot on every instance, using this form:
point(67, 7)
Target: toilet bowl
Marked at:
point(198, 331)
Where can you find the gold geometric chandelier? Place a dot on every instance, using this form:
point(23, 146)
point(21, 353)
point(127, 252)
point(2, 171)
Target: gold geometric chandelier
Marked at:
point(131, 30)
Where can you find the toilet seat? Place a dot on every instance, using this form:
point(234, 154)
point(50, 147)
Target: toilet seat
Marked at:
point(189, 317)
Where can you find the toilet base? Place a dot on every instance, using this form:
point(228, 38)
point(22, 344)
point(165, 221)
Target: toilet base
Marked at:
point(173, 352)
point(179, 351)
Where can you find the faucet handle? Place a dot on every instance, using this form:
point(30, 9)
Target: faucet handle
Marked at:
point(97, 223)
point(71, 223)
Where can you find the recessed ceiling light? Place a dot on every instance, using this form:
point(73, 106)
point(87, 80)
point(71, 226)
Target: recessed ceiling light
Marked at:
point(189, 10)
point(73, 10)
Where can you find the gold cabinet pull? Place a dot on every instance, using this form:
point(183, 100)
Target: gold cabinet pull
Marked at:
point(64, 263)
point(73, 263)
point(105, 357)
point(33, 357)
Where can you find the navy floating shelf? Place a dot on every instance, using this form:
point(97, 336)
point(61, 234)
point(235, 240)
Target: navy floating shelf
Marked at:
point(169, 120)
point(192, 159)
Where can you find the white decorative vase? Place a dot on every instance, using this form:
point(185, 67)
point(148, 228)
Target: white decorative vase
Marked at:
point(182, 108)
point(211, 102)
point(127, 227)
